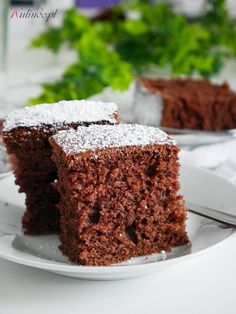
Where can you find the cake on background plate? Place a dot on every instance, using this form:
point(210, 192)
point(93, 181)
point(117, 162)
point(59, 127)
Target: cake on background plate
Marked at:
point(184, 103)
point(119, 193)
point(25, 134)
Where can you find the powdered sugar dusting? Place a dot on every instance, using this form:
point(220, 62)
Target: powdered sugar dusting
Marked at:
point(100, 136)
point(60, 113)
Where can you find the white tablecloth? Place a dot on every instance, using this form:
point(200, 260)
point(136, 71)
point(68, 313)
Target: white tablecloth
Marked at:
point(220, 158)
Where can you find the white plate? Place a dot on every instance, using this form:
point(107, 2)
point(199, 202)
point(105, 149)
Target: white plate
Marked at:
point(197, 185)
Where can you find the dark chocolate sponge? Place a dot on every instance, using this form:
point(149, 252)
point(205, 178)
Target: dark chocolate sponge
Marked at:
point(25, 133)
point(185, 103)
point(119, 193)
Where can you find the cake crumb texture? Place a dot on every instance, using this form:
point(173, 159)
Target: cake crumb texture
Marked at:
point(26, 132)
point(118, 202)
point(193, 104)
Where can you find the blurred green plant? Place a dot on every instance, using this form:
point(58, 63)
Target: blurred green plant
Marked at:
point(130, 39)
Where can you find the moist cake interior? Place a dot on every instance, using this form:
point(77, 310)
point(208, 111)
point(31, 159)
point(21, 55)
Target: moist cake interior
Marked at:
point(192, 104)
point(25, 133)
point(119, 193)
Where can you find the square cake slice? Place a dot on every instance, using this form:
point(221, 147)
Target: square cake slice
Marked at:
point(119, 193)
point(25, 133)
point(184, 103)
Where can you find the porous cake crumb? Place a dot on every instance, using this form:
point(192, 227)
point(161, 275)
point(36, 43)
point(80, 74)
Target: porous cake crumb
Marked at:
point(25, 133)
point(119, 193)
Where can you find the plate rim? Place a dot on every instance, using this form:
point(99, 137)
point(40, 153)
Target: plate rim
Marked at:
point(61, 267)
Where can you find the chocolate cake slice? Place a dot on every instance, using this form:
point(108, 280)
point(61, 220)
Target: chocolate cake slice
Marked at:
point(25, 133)
point(185, 103)
point(119, 193)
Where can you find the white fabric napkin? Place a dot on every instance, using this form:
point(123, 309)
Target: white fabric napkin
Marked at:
point(220, 158)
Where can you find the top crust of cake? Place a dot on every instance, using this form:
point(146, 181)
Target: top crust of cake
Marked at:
point(190, 87)
point(63, 112)
point(109, 136)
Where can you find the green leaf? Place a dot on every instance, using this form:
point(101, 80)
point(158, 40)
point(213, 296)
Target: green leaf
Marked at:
point(117, 75)
point(135, 27)
point(51, 39)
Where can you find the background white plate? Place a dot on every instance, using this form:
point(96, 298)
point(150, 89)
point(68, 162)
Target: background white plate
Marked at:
point(197, 185)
